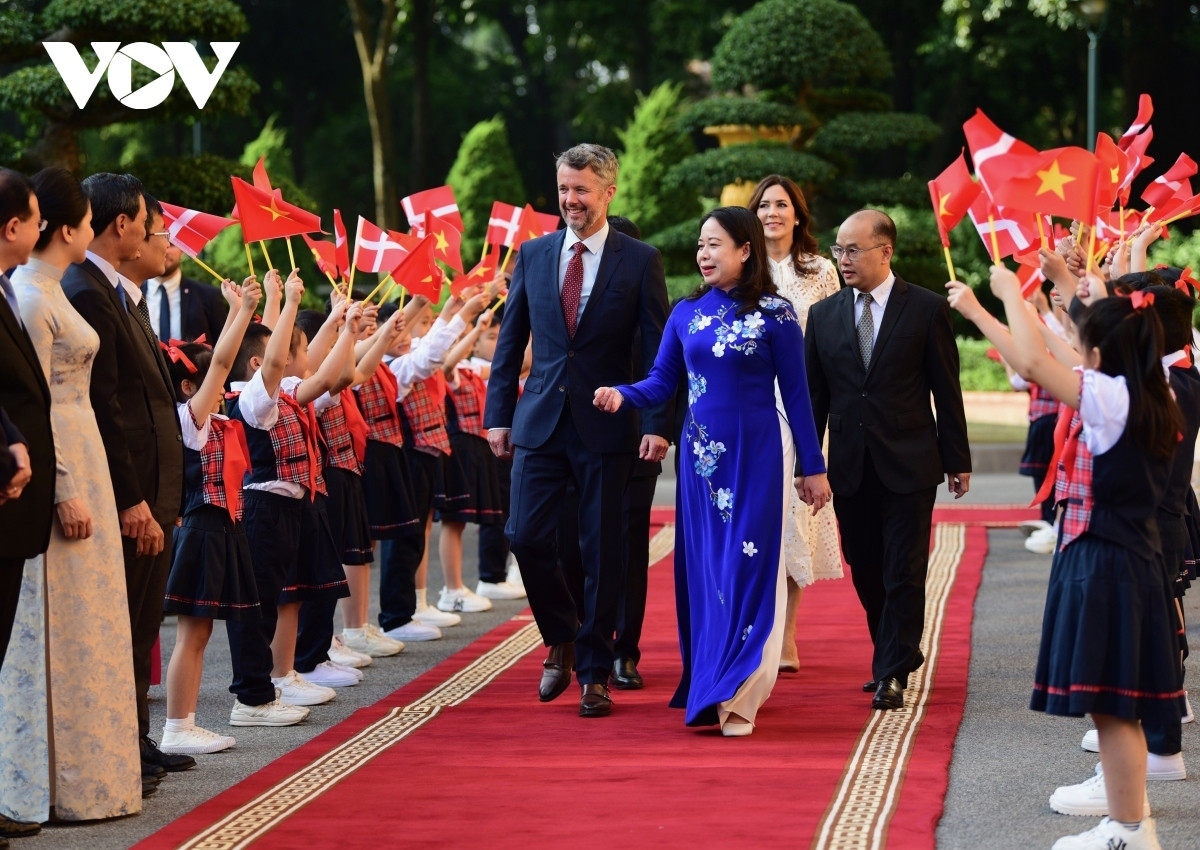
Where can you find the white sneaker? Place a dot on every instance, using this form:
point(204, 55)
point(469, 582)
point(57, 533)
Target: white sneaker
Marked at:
point(193, 741)
point(1189, 717)
point(1091, 741)
point(329, 675)
point(1110, 835)
point(430, 616)
point(414, 631)
point(274, 713)
point(1087, 798)
point(461, 599)
point(294, 689)
point(353, 671)
point(512, 574)
point(499, 590)
point(367, 642)
point(1029, 526)
point(1042, 541)
point(340, 653)
point(1163, 768)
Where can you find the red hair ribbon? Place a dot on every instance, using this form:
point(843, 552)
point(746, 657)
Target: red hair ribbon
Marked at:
point(1141, 300)
point(176, 354)
point(179, 343)
point(1186, 283)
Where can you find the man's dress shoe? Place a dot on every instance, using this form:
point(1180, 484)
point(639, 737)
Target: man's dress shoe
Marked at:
point(171, 762)
point(18, 829)
point(595, 701)
point(150, 770)
point(869, 687)
point(556, 671)
point(626, 675)
point(149, 785)
point(889, 695)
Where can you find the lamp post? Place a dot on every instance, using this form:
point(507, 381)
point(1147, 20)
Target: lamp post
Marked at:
point(1094, 12)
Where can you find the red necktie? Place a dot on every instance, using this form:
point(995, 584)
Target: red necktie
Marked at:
point(1061, 429)
point(572, 290)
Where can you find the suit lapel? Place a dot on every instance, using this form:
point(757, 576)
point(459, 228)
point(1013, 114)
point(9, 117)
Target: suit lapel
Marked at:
point(24, 345)
point(891, 315)
point(846, 312)
point(550, 273)
point(609, 261)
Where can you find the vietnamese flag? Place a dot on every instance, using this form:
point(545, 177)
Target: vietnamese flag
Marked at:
point(952, 193)
point(528, 227)
point(1166, 186)
point(191, 230)
point(483, 273)
point(406, 241)
point(418, 274)
point(1059, 182)
point(447, 240)
point(341, 246)
point(324, 253)
point(549, 222)
point(1112, 166)
point(267, 216)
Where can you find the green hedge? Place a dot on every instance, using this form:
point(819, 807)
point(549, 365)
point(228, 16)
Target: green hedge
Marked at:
point(978, 372)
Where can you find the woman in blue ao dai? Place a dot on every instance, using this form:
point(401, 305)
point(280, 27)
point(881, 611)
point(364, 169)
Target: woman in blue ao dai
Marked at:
point(732, 338)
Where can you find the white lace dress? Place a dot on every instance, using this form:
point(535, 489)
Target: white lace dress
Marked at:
point(810, 543)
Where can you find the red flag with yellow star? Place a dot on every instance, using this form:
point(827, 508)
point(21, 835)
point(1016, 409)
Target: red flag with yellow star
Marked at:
point(483, 273)
point(418, 274)
point(529, 226)
point(952, 192)
point(447, 240)
point(266, 216)
point(1059, 182)
point(1112, 166)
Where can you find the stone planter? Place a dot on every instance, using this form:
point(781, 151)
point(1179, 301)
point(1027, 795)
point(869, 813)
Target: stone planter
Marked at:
point(737, 194)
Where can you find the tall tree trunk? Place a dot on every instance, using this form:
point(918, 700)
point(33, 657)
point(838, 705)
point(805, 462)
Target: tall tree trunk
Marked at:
point(422, 23)
point(372, 60)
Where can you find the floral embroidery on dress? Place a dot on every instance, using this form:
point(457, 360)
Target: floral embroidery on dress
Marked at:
point(748, 548)
point(746, 631)
point(697, 386)
point(740, 335)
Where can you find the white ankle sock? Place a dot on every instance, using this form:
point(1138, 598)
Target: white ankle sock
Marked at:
point(352, 632)
point(181, 725)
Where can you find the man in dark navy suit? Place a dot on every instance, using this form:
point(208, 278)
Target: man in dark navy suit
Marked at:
point(182, 308)
point(582, 293)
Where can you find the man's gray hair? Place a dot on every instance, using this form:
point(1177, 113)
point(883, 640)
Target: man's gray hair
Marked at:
point(596, 157)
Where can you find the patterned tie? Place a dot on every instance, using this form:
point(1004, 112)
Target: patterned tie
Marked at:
point(866, 329)
point(572, 289)
point(164, 313)
point(143, 316)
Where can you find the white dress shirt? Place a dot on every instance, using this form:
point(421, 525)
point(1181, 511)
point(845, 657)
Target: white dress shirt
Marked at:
point(171, 286)
point(261, 410)
point(591, 261)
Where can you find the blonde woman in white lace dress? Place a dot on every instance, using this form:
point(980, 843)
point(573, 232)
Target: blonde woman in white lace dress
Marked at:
point(804, 277)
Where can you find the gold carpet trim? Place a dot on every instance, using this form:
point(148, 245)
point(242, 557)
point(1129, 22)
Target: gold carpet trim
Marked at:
point(244, 825)
point(866, 798)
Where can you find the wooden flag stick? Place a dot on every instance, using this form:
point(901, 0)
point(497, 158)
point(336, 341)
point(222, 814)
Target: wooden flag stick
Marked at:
point(505, 295)
point(387, 292)
point(317, 259)
point(483, 256)
point(945, 250)
point(208, 269)
point(292, 257)
point(1041, 231)
point(375, 291)
point(995, 241)
point(1091, 248)
point(249, 260)
point(263, 246)
point(1122, 221)
point(507, 257)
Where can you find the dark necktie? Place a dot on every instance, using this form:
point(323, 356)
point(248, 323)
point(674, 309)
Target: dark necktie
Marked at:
point(866, 329)
point(164, 313)
point(10, 296)
point(572, 290)
point(142, 315)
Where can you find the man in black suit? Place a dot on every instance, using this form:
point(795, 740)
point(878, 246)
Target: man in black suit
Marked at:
point(27, 496)
point(581, 292)
point(182, 308)
point(134, 402)
point(875, 352)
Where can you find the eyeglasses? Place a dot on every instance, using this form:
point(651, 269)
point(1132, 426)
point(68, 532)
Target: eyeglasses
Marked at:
point(42, 225)
point(852, 254)
point(165, 234)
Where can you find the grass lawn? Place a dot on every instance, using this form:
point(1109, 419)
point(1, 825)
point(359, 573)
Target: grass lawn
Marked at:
point(988, 432)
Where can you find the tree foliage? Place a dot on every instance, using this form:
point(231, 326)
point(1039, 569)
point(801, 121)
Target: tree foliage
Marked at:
point(650, 143)
point(484, 171)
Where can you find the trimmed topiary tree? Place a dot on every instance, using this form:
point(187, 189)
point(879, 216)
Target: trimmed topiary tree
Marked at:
point(484, 171)
point(652, 144)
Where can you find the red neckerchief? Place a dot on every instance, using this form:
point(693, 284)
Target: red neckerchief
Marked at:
point(310, 429)
point(1061, 428)
point(388, 378)
point(356, 423)
point(236, 461)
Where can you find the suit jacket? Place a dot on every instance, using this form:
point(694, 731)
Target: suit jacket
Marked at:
point(885, 410)
point(629, 294)
point(202, 310)
point(25, 398)
point(132, 397)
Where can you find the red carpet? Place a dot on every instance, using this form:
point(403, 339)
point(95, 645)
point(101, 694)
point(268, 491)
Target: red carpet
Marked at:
point(466, 756)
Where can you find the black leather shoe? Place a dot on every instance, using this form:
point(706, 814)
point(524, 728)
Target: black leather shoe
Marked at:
point(626, 676)
point(595, 701)
point(18, 829)
point(152, 770)
point(889, 695)
point(869, 687)
point(167, 761)
point(556, 671)
point(149, 785)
